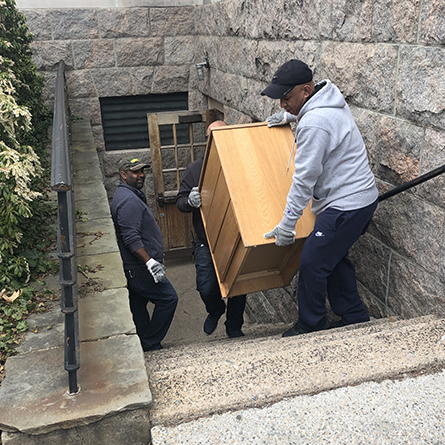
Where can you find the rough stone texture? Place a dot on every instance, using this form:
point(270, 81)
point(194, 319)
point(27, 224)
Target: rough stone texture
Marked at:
point(373, 87)
point(86, 107)
point(38, 23)
point(433, 22)
point(112, 82)
point(409, 279)
point(352, 21)
point(172, 21)
point(76, 24)
point(47, 54)
point(49, 86)
point(118, 22)
point(413, 228)
point(79, 84)
point(421, 92)
point(179, 50)
point(395, 21)
point(433, 157)
point(376, 308)
point(93, 54)
point(139, 52)
point(394, 146)
point(260, 308)
point(234, 117)
point(212, 19)
point(170, 79)
point(113, 430)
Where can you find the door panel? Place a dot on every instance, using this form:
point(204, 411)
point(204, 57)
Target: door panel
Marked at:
point(176, 140)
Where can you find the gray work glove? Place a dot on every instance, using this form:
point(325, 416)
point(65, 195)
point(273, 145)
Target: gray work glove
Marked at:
point(156, 269)
point(282, 236)
point(194, 198)
point(280, 118)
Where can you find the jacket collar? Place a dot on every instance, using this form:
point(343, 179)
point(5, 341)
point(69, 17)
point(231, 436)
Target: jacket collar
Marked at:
point(137, 192)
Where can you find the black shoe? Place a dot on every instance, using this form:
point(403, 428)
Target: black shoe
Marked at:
point(296, 330)
point(211, 323)
point(153, 348)
point(235, 333)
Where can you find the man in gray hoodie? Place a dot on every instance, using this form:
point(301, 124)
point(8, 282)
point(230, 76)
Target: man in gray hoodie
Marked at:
point(331, 171)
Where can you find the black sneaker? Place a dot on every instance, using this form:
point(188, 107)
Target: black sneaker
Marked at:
point(153, 348)
point(297, 330)
point(294, 330)
point(235, 333)
point(211, 323)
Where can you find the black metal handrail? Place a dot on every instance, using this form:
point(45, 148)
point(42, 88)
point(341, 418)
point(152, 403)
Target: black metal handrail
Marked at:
point(61, 182)
point(416, 181)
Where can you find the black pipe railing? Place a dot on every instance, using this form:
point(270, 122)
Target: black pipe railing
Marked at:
point(61, 182)
point(416, 181)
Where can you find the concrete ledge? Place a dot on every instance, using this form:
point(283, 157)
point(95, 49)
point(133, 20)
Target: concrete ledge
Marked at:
point(112, 377)
point(101, 315)
point(200, 380)
point(105, 315)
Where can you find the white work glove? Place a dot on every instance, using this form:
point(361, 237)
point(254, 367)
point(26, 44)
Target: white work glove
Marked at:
point(156, 269)
point(282, 236)
point(194, 198)
point(280, 118)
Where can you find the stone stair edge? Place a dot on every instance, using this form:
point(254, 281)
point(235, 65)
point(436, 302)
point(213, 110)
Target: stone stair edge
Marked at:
point(234, 379)
point(363, 329)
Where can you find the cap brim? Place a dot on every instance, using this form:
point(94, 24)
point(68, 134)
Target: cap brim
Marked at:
point(275, 91)
point(139, 166)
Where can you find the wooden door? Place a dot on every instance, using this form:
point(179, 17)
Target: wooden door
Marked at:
point(176, 139)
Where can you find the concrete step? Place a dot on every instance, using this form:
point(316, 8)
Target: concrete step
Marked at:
point(199, 380)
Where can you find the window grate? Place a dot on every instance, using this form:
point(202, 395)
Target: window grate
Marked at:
point(124, 119)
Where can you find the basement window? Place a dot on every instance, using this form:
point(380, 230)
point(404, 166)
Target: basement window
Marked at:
point(124, 119)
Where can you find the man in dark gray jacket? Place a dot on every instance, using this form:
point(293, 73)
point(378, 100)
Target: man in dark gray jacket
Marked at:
point(142, 250)
point(331, 171)
point(189, 200)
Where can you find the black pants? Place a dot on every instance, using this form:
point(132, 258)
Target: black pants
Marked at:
point(208, 288)
point(325, 267)
point(142, 289)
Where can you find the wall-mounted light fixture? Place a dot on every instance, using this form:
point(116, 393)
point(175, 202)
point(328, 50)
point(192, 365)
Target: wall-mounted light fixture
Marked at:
point(200, 66)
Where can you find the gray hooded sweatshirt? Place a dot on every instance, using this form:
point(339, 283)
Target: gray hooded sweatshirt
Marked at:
point(331, 163)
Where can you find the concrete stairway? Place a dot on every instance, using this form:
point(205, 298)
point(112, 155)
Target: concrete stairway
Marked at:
point(202, 379)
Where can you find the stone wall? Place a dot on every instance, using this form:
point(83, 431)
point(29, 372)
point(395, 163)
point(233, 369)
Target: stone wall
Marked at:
point(387, 57)
point(113, 52)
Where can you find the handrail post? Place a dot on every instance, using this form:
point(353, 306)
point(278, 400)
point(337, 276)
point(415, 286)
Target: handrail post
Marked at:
point(61, 181)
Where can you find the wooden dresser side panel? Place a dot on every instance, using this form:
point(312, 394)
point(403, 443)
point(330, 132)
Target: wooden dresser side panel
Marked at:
point(238, 258)
point(216, 217)
point(208, 181)
point(226, 243)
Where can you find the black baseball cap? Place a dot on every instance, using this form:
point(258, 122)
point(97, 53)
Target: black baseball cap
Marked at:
point(289, 75)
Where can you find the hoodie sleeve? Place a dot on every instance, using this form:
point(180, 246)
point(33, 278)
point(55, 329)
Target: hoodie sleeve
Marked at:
point(313, 143)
